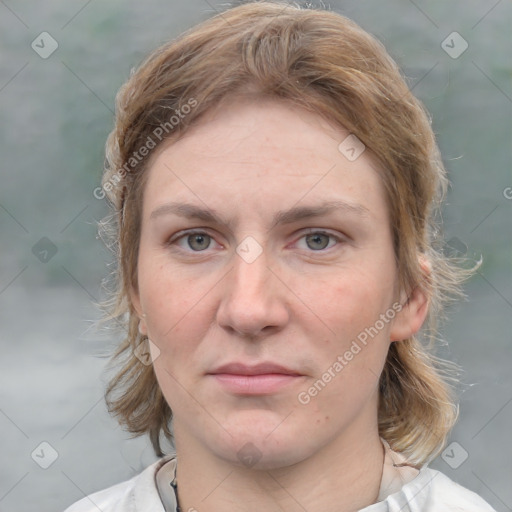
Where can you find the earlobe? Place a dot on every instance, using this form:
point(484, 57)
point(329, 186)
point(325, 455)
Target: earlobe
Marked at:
point(135, 299)
point(414, 309)
point(143, 329)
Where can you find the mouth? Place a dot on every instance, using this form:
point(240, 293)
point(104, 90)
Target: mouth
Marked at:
point(261, 379)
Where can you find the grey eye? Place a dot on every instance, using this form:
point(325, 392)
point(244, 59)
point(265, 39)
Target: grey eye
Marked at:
point(199, 241)
point(316, 241)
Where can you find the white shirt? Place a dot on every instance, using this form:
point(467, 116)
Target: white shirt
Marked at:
point(402, 489)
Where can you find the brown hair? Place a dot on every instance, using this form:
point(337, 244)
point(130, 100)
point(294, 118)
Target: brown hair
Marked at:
point(323, 62)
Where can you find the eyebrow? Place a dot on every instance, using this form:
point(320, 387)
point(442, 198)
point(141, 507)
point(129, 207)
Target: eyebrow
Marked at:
point(282, 217)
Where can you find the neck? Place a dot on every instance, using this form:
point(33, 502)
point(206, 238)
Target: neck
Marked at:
point(344, 476)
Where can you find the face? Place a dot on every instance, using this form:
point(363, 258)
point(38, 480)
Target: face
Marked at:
point(264, 248)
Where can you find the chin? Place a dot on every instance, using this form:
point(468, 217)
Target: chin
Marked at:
point(254, 456)
point(260, 445)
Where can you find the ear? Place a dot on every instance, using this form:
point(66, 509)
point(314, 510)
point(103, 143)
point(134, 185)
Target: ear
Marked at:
point(414, 310)
point(135, 299)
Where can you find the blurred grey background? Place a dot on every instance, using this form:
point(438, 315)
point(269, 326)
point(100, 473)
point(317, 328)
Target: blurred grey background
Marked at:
point(56, 111)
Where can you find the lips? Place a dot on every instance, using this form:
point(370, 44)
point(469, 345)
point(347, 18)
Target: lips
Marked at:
point(261, 379)
point(259, 369)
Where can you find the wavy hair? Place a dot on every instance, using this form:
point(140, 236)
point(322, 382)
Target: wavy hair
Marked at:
point(324, 62)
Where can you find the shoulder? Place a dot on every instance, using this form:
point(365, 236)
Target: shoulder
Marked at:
point(107, 500)
point(426, 490)
point(137, 494)
point(445, 495)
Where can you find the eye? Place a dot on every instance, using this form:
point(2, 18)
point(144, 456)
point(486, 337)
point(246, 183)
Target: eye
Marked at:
point(319, 240)
point(197, 241)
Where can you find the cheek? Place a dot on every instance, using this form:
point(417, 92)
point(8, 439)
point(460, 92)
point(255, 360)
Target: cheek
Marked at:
point(355, 346)
point(173, 307)
point(352, 355)
point(351, 300)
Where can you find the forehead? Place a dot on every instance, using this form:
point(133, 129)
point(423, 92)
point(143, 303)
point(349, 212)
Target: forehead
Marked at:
point(264, 154)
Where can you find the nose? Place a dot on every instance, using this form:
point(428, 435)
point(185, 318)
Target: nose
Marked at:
point(253, 302)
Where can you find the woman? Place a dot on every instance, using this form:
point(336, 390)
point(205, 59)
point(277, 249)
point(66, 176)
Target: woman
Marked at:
point(277, 190)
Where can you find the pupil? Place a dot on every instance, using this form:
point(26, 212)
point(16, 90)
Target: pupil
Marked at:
point(316, 238)
point(198, 239)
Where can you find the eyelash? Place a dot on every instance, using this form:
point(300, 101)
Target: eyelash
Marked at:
point(184, 235)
